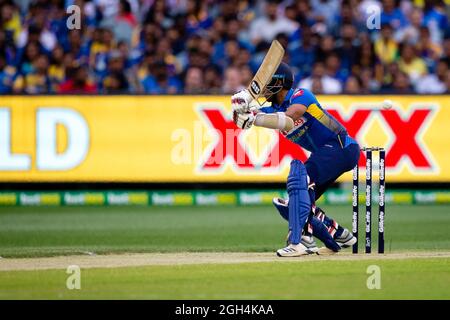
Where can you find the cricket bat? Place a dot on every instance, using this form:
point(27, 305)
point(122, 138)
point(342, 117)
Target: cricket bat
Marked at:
point(265, 72)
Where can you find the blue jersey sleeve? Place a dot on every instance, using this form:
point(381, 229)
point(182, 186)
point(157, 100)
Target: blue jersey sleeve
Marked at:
point(267, 110)
point(304, 97)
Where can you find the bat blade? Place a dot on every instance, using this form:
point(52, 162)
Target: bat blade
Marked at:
point(267, 69)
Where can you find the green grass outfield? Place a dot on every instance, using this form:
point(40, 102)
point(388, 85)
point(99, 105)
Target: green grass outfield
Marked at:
point(400, 279)
point(52, 231)
point(46, 231)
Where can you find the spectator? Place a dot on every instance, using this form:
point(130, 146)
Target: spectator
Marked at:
point(8, 49)
point(368, 83)
point(434, 83)
point(304, 16)
point(213, 80)
point(108, 10)
point(78, 82)
point(326, 47)
point(233, 81)
point(29, 54)
point(39, 28)
point(386, 49)
point(205, 40)
point(7, 74)
point(427, 49)
point(304, 56)
point(352, 86)
point(410, 64)
point(244, 58)
point(388, 78)
point(125, 23)
point(327, 84)
point(366, 57)
point(291, 12)
point(158, 81)
point(402, 84)
point(246, 74)
point(10, 20)
point(125, 15)
point(435, 19)
point(79, 50)
point(266, 27)
point(100, 50)
point(198, 17)
point(316, 86)
point(232, 51)
point(115, 83)
point(348, 47)
point(56, 70)
point(334, 70)
point(346, 16)
point(411, 34)
point(36, 80)
point(325, 10)
point(194, 81)
point(116, 67)
point(393, 16)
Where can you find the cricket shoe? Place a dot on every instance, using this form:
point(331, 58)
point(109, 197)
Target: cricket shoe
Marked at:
point(346, 239)
point(309, 243)
point(295, 250)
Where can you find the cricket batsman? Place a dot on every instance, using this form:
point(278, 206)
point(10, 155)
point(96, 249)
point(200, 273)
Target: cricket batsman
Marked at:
point(301, 119)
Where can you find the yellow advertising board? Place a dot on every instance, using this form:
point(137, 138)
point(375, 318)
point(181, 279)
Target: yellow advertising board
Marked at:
point(193, 139)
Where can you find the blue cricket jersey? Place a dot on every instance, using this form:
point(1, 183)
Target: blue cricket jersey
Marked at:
point(316, 127)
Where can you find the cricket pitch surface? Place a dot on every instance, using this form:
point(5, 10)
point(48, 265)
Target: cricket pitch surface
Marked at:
point(90, 260)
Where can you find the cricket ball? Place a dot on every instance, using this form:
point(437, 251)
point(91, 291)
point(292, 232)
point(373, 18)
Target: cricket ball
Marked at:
point(387, 104)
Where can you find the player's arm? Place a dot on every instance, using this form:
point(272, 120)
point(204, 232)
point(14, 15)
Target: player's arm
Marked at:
point(296, 111)
point(280, 120)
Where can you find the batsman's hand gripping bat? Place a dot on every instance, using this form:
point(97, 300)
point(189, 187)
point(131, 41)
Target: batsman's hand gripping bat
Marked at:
point(248, 99)
point(256, 89)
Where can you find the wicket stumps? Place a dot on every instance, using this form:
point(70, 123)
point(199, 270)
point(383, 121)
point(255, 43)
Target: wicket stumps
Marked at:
point(368, 193)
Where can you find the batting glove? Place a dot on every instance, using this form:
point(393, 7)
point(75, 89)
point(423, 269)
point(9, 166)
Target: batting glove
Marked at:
point(240, 102)
point(244, 120)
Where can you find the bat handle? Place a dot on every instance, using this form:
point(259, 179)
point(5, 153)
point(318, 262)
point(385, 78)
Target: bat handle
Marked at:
point(254, 106)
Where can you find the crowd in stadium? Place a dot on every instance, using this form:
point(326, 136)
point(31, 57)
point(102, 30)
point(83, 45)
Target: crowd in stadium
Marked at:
point(213, 46)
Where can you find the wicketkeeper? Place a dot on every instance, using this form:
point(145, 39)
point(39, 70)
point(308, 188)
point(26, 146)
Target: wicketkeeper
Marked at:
point(301, 119)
